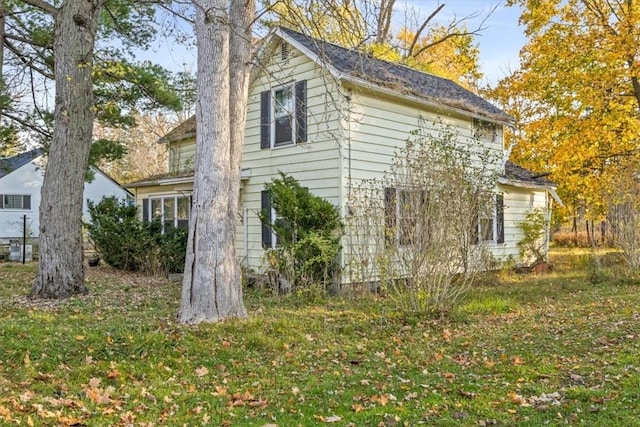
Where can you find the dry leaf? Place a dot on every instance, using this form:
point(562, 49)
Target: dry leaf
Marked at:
point(202, 371)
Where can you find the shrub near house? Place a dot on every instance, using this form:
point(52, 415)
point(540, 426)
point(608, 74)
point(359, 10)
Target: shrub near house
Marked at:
point(127, 243)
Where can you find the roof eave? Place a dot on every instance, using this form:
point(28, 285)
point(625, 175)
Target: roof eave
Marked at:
point(420, 100)
point(340, 76)
point(161, 182)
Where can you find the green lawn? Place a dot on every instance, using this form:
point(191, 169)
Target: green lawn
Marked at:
point(557, 349)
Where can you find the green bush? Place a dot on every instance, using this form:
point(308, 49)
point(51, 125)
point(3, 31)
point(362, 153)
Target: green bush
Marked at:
point(127, 243)
point(308, 231)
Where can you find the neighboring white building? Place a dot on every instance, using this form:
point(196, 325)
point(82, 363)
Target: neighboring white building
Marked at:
point(331, 118)
point(21, 179)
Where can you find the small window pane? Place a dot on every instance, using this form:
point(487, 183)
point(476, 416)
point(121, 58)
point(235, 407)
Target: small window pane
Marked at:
point(283, 116)
point(169, 212)
point(283, 104)
point(284, 130)
point(156, 209)
point(486, 229)
point(183, 208)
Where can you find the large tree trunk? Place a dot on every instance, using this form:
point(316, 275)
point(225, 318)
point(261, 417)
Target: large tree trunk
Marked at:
point(212, 289)
point(242, 15)
point(61, 271)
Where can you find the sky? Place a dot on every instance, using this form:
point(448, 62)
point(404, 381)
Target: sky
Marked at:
point(501, 40)
point(499, 43)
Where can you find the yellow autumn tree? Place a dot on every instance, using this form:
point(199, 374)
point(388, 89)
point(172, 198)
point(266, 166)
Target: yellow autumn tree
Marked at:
point(439, 52)
point(576, 97)
point(335, 21)
point(445, 50)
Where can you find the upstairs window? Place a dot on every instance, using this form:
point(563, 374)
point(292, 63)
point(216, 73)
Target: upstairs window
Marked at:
point(283, 115)
point(15, 201)
point(484, 130)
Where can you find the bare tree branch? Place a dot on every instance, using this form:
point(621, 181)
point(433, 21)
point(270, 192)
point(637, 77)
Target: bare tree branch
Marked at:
point(421, 29)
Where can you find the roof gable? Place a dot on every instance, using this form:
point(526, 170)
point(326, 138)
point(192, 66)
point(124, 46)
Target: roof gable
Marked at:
point(11, 164)
point(184, 130)
point(354, 65)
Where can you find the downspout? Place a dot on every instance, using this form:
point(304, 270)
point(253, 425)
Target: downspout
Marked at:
point(548, 221)
point(349, 181)
point(245, 220)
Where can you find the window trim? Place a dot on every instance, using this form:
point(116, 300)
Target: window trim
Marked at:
point(24, 197)
point(298, 118)
point(497, 222)
point(292, 114)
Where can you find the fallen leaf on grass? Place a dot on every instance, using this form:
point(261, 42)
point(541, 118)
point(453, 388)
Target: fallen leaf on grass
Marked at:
point(202, 371)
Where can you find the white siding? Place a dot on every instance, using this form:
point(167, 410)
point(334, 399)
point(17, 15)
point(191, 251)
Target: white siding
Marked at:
point(25, 180)
point(102, 186)
point(182, 156)
point(28, 180)
point(518, 202)
point(315, 164)
point(377, 126)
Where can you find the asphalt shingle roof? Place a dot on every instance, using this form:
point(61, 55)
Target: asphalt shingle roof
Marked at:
point(515, 172)
point(399, 77)
point(10, 164)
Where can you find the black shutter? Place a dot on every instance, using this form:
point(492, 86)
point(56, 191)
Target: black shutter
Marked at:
point(301, 111)
point(390, 215)
point(145, 210)
point(266, 225)
point(1, 201)
point(500, 217)
point(265, 119)
point(26, 202)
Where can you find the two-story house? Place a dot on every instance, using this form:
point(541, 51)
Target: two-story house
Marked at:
point(333, 117)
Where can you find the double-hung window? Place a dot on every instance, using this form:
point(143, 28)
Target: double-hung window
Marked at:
point(171, 211)
point(15, 201)
point(406, 222)
point(283, 115)
point(490, 225)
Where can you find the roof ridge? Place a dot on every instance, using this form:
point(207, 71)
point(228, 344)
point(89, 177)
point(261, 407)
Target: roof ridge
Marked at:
point(371, 56)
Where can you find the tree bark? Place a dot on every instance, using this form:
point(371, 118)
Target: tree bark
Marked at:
point(211, 288)
point(61, 271)
point(240, 42)
point(2, 33)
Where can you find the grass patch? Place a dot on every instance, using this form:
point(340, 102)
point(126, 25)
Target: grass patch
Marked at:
point(529, 350)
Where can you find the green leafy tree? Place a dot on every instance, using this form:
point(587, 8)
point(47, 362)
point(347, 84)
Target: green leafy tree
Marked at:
point(81, 47)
